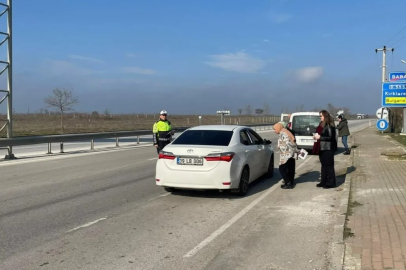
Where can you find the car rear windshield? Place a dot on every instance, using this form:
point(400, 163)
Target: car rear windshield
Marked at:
point(205, 137)
point(305, 125)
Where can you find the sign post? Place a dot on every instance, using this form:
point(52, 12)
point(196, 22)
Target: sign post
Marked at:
point(382, 113)
point(222, 113)
point(382, 124)
point(394, 94)
point(398, 76)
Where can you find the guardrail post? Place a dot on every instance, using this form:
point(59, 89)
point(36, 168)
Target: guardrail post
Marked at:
point(61, 147)
point(92, 144)
point(49, 148)
point(138, 139)
point(117, 142)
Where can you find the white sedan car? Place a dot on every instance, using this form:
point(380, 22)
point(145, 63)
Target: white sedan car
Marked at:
point(215, 157)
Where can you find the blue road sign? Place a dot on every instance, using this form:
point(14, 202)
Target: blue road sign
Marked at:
point(398, 76)
point(382, 124)
point(393, 94)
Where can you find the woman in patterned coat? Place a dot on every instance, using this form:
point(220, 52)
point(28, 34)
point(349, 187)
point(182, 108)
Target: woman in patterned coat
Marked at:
point(287, 149)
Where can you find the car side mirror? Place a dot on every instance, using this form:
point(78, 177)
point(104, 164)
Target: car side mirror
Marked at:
point(267, 141)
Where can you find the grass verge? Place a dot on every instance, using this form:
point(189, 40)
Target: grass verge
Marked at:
point(351, 205)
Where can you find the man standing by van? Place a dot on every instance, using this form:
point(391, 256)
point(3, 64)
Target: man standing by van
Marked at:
point(344, 132)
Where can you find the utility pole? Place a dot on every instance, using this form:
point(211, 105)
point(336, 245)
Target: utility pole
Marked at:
point(384, 50)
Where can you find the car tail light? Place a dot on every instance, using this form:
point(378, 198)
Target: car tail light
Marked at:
point(228, 156)
point(290, 125)
point(166, 155)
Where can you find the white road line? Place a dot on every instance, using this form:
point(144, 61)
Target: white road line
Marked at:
point(87, 224)
point(228, 224)
point(160, 196)
point(153, 158)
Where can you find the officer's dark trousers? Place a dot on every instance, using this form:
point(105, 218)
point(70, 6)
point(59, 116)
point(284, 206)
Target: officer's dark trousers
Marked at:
point(328, 176)
point(287, 171)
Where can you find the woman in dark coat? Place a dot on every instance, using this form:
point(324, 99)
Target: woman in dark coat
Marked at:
point(325, 147)
point(344, 132)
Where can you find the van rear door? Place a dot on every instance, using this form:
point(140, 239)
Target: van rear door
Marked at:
point(305, 125)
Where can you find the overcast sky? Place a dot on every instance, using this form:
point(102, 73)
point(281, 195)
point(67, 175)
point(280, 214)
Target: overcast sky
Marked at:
point(201, 56)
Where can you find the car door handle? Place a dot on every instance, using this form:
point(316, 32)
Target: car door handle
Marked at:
point(246, 151)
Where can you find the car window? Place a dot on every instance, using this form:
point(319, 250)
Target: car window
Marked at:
point(255, 137)
point(244, 138)
point(205, 137)
point(305, 124)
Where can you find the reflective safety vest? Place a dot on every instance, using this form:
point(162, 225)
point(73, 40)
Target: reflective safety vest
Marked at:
point(162, 133)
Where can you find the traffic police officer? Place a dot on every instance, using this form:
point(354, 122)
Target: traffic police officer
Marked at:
point(162, 131)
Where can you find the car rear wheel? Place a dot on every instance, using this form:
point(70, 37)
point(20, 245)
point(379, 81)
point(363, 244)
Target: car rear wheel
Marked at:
point(271, 167)
point(244, 182)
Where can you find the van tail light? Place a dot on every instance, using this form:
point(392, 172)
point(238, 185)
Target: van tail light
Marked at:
point(166, 155)
point(227, 156)
point(290, 125)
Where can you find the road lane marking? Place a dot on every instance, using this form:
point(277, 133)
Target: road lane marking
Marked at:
point(87, 224)
point(153, 158)
point(160, 196)
point(239, 215)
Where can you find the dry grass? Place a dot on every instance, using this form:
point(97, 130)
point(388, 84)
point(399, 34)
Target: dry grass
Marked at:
point(49, 124)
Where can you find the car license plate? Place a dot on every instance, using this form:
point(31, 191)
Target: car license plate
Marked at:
point(190, 161)
point(308, 141)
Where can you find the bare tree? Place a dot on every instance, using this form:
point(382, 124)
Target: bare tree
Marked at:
point(332, 109)
point(248, 110)
point(299, 108)
point(240, 111)
point(62, 100)
point(259, 111)
point(266, 108)
point(284, 109)
point(107, 113)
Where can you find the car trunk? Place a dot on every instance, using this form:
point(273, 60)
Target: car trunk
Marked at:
point(192, 157)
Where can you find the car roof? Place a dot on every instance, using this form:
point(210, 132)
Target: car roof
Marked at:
point(304, 113)
point(217, 127)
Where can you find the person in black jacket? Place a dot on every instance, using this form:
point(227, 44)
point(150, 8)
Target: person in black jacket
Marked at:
point(344, 132)
point(326, 146)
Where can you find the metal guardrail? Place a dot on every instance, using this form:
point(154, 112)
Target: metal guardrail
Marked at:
point(49, 139)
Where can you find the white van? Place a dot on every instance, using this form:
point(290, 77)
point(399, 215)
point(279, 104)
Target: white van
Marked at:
point(303, 125)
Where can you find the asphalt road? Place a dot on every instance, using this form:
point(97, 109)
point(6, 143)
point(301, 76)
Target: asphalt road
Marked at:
point(103, 211)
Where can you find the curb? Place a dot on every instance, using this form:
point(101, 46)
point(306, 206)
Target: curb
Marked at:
point(338, 245)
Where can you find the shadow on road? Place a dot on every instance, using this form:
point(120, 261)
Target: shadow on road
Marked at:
point(259, 185)
point(314, 176)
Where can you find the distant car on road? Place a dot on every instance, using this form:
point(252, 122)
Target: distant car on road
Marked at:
point(221, 157)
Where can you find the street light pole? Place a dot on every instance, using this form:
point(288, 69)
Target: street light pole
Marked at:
point(404, 111)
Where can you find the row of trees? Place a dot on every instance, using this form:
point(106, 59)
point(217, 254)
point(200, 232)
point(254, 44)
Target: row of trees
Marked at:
point(63, 101)
point(265, 110)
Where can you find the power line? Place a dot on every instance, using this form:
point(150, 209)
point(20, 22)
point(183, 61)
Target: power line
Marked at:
point(399, 40)
point(396, 34)
point(404, 42)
